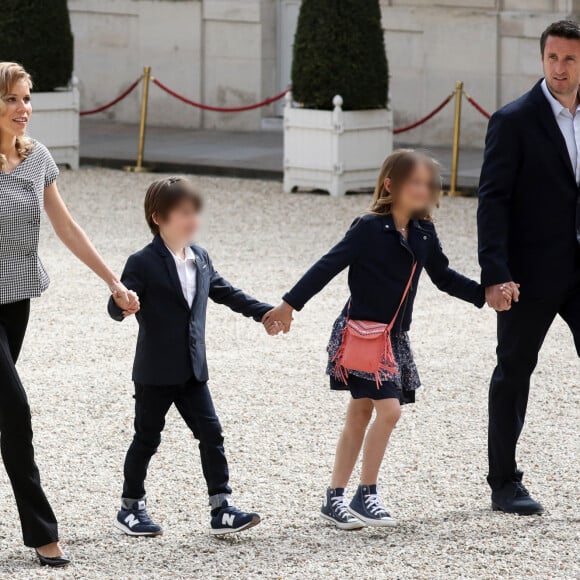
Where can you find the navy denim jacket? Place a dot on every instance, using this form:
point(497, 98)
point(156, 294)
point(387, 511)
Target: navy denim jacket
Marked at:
point(380, 261)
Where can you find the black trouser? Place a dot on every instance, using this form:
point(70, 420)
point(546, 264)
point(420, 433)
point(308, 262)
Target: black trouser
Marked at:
point(38, 522)
point(521, 332)
point(193, 401)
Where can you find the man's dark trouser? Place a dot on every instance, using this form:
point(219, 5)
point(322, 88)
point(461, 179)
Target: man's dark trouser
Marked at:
point(194, 403)
point(39, 526)
point(521, 332)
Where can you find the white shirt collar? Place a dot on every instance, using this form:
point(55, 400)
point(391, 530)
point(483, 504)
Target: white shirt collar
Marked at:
point(557, 106)
point(188, 252)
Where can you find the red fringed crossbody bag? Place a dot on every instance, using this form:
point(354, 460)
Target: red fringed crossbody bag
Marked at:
point(366, 346)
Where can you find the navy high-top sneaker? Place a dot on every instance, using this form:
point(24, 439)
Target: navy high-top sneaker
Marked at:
point(367, 506)
point(134, 520)
point(335, 510)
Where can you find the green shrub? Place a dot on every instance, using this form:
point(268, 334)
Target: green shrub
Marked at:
point(37, 34)
point(339, 49)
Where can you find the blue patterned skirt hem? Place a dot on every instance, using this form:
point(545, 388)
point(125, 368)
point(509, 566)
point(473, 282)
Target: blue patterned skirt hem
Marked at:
point(403, 384)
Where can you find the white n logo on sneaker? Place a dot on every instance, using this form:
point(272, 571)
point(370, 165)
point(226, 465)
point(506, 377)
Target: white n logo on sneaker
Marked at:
point(228, 520)
point(131, 520)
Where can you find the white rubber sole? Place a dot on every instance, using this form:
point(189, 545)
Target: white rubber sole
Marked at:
point(386, 523)
point(352, 526)
point(127, 530)
point(225, 531)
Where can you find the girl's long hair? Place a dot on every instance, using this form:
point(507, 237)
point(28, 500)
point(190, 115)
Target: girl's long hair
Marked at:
point(10, 73)
point(398, 168)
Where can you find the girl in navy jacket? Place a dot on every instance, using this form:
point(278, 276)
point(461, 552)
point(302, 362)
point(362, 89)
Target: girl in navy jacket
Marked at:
point(380, 250)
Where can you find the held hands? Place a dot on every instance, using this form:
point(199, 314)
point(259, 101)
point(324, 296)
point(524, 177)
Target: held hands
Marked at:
point(278, 319)
point(125, 299)
point(500, 296)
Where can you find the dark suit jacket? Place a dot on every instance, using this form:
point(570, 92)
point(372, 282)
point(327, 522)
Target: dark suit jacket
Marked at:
point(529, 213)
point(171, 341)
point(380, 265)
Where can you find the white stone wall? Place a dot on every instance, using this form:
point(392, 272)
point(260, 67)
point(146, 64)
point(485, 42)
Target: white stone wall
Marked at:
point(491, 45)
point(221, 52)
point(429, 49)
point(239, 60)
point(114, 39)
point(224, 52)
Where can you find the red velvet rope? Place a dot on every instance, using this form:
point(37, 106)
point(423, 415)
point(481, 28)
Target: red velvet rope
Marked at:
point(477, 105)
point(426, 117)
point(218, 109)
point(124, 94)
point(266, 102)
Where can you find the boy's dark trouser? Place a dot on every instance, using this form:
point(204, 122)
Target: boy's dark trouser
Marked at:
point(521, 332)
point(194, 403)
point(39, 525)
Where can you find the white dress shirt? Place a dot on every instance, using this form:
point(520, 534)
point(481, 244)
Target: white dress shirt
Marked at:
point(186, 270)
point(569, 126)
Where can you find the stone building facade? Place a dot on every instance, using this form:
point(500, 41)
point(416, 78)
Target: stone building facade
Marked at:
point(235, 52)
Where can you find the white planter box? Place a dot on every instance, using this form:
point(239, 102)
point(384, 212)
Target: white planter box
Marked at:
point(336, 151)
point(55, 123)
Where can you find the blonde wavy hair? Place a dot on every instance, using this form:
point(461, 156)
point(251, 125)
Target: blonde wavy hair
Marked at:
point(398, 168)
point(11, 73)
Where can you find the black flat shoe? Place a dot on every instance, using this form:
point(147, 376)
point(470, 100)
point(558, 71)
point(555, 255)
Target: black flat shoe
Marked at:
point(57, 562)
point(514, 498)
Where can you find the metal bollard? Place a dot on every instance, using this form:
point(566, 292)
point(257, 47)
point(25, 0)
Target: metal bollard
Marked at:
point(138, 167)
point(456, 134)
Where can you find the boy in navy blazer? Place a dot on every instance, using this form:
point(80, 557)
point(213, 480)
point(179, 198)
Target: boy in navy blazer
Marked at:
point(174, 281)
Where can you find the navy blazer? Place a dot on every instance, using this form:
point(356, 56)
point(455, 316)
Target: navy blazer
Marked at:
point(380, 262)
point(171, 340)
point(529, 213)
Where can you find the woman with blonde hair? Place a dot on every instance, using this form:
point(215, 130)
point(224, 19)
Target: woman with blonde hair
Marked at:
point(369, 350)
point(27, 186)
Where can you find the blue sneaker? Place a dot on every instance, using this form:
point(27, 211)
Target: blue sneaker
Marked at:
point(368, 507)
point(228, 519)
point(134, 520)
point(335, 510)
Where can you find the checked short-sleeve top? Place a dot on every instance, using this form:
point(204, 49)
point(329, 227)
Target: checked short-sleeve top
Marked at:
point(22, 274)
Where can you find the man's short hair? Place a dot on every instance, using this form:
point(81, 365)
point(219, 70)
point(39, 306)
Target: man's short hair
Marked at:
point(163, 195)
point(561, 29)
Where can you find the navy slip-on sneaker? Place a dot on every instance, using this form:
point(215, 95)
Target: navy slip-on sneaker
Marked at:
point(134, 520)
point(367, 506)
point(228, 519)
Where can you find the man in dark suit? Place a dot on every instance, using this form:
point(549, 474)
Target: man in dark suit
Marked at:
point(529, 233)
point(174, 280)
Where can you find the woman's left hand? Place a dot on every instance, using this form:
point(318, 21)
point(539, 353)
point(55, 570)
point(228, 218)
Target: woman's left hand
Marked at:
point(125, 299)
point(135, 305)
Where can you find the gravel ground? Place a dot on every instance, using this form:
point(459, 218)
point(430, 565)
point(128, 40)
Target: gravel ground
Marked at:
point(280, 419)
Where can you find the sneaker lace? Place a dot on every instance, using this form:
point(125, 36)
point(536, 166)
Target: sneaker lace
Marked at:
point(339, 506)
point(521, 490)
point(374, 504)
point(143, 516)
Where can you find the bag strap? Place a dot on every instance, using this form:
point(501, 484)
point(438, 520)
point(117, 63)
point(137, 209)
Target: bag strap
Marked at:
point(407, 288)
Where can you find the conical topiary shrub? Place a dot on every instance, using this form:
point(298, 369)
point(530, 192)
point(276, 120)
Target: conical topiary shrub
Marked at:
point(339, 49)
point(38, 36)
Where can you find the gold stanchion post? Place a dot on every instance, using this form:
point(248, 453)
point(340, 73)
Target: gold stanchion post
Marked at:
point(456, 134)
point(138, 167)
